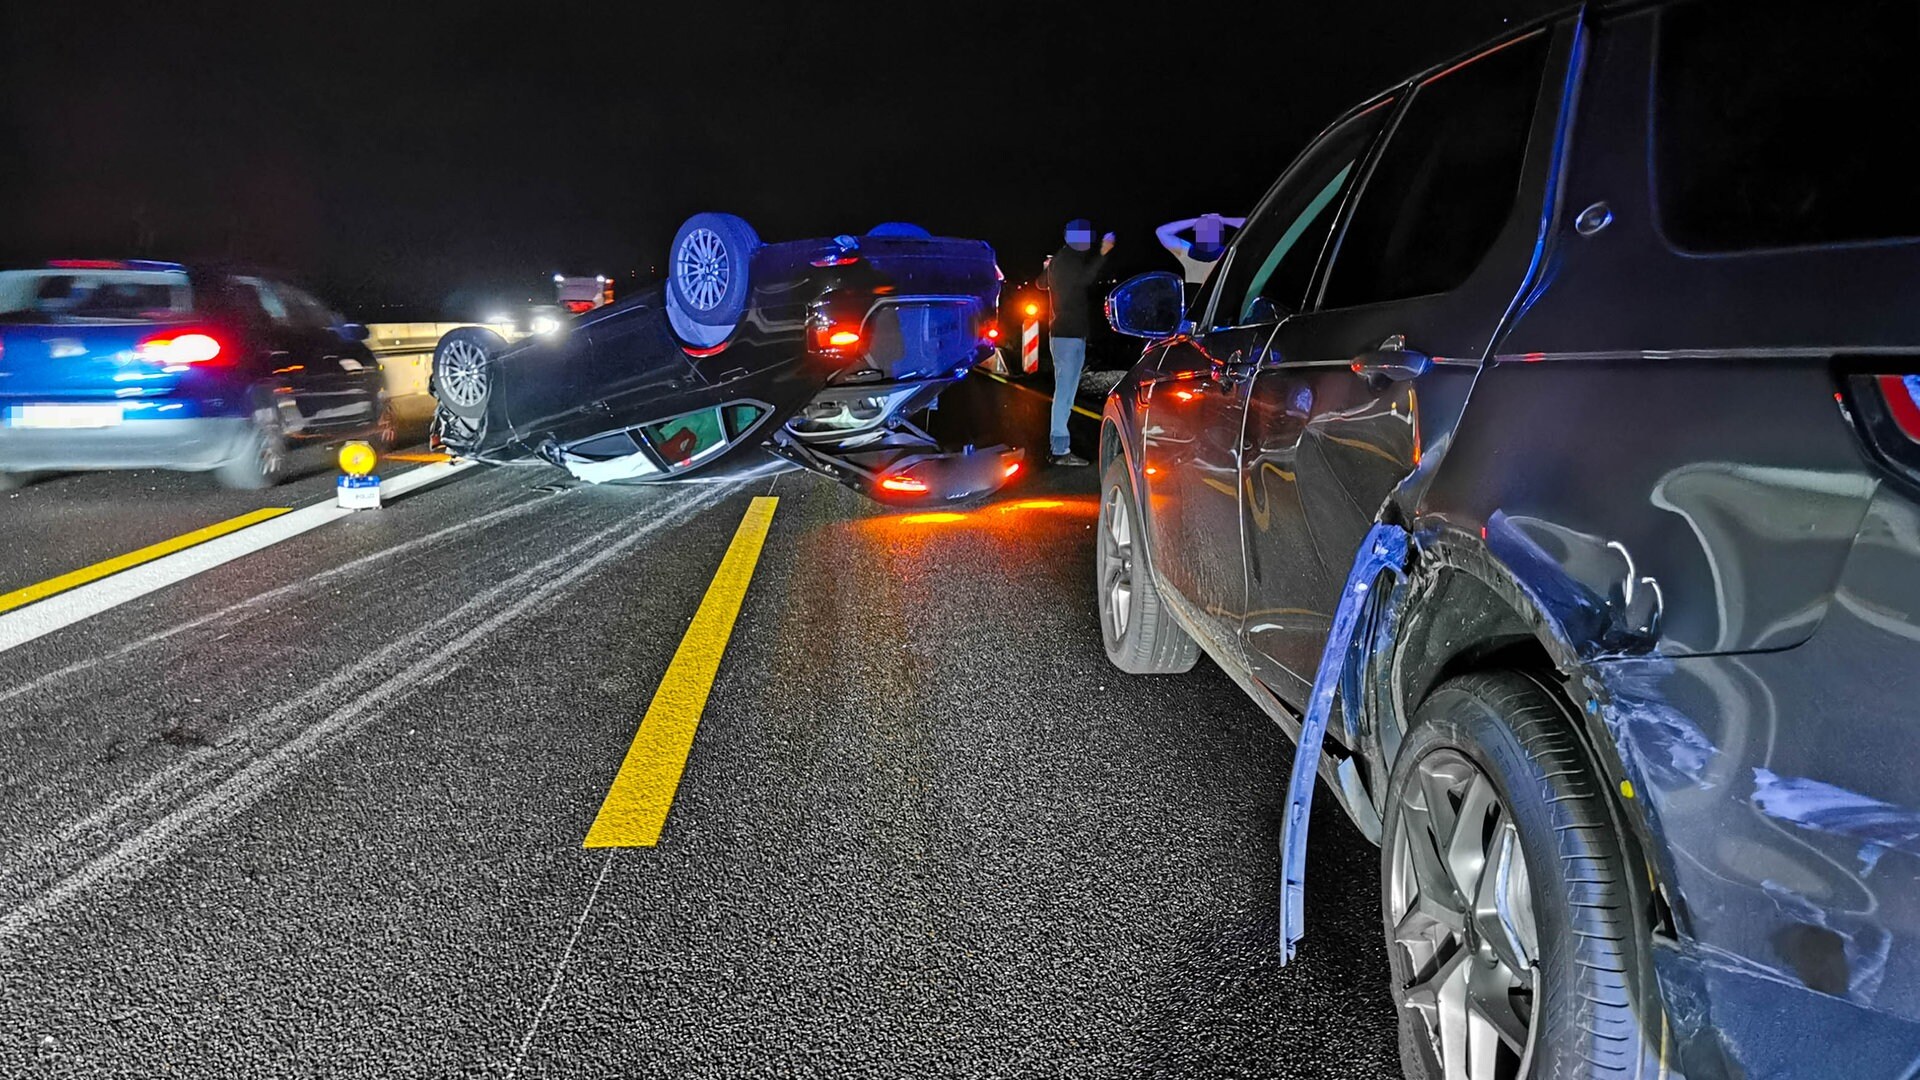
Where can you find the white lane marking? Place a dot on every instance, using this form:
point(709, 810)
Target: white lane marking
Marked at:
point(266, 771)
point(351, 566)
point(56, 612)
point(566, 954)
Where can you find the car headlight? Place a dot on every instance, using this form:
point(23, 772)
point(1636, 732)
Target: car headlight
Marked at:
point(545, 324)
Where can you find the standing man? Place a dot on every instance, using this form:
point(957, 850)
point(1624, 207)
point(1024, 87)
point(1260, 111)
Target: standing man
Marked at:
point(1070, 276)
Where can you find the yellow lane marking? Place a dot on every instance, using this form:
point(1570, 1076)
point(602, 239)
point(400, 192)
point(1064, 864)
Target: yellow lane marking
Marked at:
point(636, 806)
point(77, 578)
point(1088, 413)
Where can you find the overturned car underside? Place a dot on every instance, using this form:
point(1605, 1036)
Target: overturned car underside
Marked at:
point(823, 353)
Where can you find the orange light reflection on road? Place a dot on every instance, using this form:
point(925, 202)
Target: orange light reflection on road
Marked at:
point(938, 518)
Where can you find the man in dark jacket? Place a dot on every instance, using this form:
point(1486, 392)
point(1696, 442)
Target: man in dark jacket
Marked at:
point(1070, 276)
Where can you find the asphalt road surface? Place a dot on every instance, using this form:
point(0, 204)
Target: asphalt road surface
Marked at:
point(320, 810)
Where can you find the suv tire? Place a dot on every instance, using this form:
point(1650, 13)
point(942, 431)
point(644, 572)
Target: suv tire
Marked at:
point(1138, 631)
point(1522, 923)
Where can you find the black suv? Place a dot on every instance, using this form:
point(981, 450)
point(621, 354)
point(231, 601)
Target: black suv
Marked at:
point(1544, 456)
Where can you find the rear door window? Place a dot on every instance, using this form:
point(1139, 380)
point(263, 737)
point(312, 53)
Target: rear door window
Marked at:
point(1445, 183)
point(1779, 123)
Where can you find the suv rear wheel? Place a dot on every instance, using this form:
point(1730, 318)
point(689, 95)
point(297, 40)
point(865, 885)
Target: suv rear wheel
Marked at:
point(1139, 633)
point(1504, 894)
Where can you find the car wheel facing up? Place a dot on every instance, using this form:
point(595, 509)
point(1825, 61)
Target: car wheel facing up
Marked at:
point(463, 371)
point(1139, 633)
point(1504, 894)
point(708, 277)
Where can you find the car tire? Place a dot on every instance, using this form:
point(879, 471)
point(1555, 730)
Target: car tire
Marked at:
point(462, 376)
point(1515, 938)
point(262, 460)
point(709, 277)
point(1139, 633)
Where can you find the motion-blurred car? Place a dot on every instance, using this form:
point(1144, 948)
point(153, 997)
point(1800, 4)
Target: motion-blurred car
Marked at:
point(1545, 457)
point(141, 364)
point(822, 352)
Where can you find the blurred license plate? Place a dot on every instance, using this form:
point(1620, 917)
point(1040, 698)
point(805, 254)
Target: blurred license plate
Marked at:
point(63, 416)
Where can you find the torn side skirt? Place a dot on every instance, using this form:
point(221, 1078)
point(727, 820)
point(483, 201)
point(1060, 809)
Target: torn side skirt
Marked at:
point(1385, 549)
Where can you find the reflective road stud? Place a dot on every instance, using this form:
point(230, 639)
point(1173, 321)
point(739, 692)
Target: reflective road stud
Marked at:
point(357, 488)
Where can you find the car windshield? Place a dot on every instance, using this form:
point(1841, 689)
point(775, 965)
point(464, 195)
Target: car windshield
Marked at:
point(95, 294)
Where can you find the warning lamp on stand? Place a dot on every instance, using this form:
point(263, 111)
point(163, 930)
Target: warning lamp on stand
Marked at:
point(358, 488)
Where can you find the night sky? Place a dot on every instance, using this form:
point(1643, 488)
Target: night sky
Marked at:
point(450, 159)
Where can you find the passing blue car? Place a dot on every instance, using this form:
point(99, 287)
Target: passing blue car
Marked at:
point(139, 364)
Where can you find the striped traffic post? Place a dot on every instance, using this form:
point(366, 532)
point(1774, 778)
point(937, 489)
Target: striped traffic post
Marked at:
point(1030, 340)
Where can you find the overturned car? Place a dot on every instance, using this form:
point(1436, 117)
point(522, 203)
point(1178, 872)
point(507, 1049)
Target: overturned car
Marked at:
point(822, 352)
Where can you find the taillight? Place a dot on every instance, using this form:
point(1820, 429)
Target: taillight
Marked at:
point(1902, 395)
point(835, 260)
point(1013, 467)
point(908, 485)
point(830, 338)
point(1887, 412)
point(991, 331)
point(192, 347)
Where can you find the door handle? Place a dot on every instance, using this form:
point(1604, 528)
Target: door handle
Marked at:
point(1392, 362)
point(1233, 370)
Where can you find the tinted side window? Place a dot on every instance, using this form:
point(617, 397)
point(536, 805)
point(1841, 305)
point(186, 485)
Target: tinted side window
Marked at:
point(1445, 183)
point(1779, 124)
point(1275, 256)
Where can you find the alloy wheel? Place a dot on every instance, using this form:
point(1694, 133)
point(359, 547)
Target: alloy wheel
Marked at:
point(1116, 563)
point(703, 269)
point(1462, 914)
point(463, 374)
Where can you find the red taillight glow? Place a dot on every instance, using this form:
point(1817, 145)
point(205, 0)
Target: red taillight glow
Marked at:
point(840, 339)
point(836, 260)
point(1012, 468)
point(1901, 405)
point(907, 484)
point(189, 348)
point(87, 264)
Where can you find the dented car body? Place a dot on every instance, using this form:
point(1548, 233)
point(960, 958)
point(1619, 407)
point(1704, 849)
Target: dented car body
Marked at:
point(1647, 433)
point(818, 352)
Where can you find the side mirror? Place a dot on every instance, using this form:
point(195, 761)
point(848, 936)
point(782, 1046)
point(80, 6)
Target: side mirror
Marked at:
point(1148, 306)
point(354, 331)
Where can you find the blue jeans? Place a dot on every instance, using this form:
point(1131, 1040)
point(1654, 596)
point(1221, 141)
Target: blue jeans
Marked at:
point(1069, 356)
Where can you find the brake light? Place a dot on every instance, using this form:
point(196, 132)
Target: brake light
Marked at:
point(991, 330)
point(174, 349)
point(906, 484)
point(836, 260)
point(1012, 468)
point(830, 338)
point(86, 264)
point(1885, 411)
point(1902, 394)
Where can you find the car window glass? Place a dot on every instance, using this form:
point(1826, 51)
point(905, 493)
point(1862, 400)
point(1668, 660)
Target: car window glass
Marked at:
point(1274, 257)
point(1773, 123)
point(688, 439)
point(110, 294)
point(1445, 183)
point(304, 309)
point(258, 298)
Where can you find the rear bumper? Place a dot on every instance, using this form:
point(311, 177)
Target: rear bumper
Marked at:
point(191, 444)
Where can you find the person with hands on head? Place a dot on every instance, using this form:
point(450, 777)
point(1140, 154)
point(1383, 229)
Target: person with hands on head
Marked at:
point(1070, 276)
point(1198, 255)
